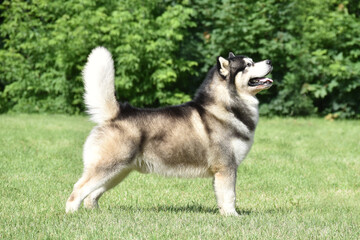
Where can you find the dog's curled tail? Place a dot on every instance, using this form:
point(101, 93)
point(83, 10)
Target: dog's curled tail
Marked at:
point(99, 84)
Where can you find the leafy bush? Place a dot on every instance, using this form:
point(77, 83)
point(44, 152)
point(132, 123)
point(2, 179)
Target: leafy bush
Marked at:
point(314, 46)
point(47, 42)
point(163, 49)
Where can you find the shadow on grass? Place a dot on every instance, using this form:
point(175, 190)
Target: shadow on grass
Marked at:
point(189, 208)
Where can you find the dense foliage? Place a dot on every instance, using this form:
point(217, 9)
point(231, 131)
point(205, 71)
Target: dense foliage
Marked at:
point(163, 49)
point(47, 43)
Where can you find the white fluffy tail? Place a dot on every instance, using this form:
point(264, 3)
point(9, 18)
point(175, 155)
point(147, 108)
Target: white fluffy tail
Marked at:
point(99, 83)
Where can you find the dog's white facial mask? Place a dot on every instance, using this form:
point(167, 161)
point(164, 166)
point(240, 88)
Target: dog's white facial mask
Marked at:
point(252, 79)
point(259, 69)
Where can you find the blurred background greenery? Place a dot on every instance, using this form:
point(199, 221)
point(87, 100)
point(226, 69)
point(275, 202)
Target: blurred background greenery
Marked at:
point(163, 48)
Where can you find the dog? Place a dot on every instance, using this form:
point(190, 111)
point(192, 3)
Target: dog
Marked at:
point(206, 137)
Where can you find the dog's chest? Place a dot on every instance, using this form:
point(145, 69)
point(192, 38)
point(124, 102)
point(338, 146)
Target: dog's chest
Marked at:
point(241, 145)
point(240, 149)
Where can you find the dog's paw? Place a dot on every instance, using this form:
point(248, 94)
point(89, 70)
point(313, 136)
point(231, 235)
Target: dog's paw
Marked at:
point(90, 203)
point(71, 207)
point(229, 213)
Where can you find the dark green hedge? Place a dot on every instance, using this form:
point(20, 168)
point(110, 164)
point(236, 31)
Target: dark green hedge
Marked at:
point(163, 49)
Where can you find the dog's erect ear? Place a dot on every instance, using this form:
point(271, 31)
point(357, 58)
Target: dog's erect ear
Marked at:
point(223, 66)
point(231, 55)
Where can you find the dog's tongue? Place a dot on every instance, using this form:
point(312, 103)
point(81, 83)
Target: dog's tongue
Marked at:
point(266, 80)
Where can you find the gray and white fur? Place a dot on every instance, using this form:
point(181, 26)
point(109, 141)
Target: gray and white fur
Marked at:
point(206, 137)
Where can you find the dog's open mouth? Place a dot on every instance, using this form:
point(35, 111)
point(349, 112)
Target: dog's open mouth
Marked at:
point(261, 81)
point(264, 81)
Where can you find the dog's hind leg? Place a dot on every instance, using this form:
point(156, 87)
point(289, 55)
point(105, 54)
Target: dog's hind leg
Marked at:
point(91, 201)
point(98, 181)
point(224, 186)
point(107, 160)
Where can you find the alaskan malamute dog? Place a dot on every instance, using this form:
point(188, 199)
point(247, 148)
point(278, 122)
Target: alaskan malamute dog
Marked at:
point(206, 137)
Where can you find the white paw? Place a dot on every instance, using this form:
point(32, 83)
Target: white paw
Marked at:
point(71, 207)
point(90, 203)
point(231, 212)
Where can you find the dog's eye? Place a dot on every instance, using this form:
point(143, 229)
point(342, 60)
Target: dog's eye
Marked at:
point(248, 64)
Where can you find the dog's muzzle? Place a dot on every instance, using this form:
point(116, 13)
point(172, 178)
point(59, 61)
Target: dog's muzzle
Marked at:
point(262, 81)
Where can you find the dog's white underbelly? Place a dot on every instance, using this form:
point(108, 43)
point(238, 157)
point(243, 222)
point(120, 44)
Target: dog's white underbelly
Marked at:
point(153, 165)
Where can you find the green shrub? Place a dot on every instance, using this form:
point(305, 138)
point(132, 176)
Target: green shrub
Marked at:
point(314, 46)
point(163, 49)
point(47, 42)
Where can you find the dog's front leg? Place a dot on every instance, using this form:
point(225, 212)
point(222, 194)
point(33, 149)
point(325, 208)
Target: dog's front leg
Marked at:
point(224, 186)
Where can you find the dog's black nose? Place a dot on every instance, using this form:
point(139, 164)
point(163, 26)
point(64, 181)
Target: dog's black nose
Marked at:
point(268, 62)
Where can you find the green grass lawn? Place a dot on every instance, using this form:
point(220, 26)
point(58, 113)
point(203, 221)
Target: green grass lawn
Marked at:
point(301, 180)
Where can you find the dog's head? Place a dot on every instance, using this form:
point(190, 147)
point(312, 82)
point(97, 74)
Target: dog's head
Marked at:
point(247, 76)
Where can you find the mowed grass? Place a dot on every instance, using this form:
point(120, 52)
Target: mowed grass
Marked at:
point(301, 180)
